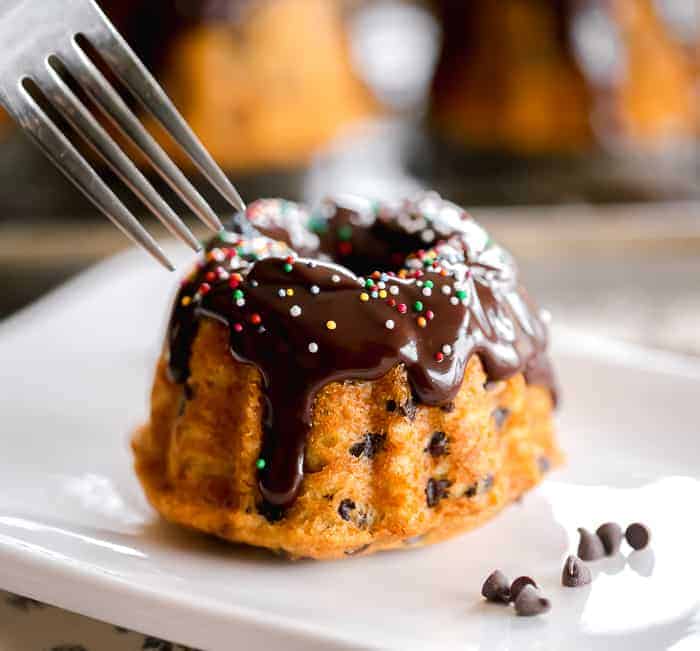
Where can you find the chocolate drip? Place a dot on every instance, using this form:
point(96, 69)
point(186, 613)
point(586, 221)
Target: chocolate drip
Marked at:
point(306, 323)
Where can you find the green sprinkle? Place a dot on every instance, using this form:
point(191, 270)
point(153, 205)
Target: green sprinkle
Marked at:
point(428, 284)
point(344, 232)
point(238, 294)
point(369, 283)
point(260, 464)
point(461, 293)
point(418, 306)
point(427, 263)
point(287, 267)
point(318, 225)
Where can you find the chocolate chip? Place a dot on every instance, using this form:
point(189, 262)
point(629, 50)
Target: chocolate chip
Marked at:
point(357, 550)
point(189, 391)
point(575, 573)
point(544, 464)
point(437, 445)
point(271, 512)
point(409, 409)
point(448, 407)
point(590, 547)
point(391, 405)
point(472, 490)
point(638, 535)
point(181, 407)
point(519, 583)
point(530, 602)
point(496, 588)
point(436, 490)
point(610, 535)
point(345, 508)
point(500, 415)
point(368, 446)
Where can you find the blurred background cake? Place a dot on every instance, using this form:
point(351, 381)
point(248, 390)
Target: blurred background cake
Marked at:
point(564, 75)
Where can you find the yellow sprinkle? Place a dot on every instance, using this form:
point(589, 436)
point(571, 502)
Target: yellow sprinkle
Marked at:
point(186, 300)
point(382, 293)
point(364, 297)
point(422, 322)
point(290, 292)
point(331, 325)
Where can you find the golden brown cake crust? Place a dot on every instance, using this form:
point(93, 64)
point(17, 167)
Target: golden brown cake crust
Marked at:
point(380, 471)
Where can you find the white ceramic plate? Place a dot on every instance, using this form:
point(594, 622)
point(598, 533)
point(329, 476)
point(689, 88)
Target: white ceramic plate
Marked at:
point(75, 530)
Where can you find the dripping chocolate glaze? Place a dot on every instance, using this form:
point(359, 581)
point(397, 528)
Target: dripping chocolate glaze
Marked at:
point(307, 322)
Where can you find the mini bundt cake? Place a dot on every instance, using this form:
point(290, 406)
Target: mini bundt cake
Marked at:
point(303, 408)
point(558, 76)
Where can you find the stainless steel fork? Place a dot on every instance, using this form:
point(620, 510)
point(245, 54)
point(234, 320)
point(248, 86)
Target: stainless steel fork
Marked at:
point(42, 38)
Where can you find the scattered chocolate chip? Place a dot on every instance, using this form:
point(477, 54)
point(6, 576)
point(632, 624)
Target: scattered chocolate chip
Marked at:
point(575, 573)
point(391, 405)
point(544, 464)
point(345, 508)
point(610, 535)
point(448, 407)
point(188, 390)
point(437, 445)
point(500, 415)
point(496, 588)
point(472, 490)
point(638, 535)
point(519, 583)
point(368, 446)
point(590, 547)
point(530, 603)
point(271, 512)
point(328, 496)
point(436, 490)
point(357, 550)
point(409, 409)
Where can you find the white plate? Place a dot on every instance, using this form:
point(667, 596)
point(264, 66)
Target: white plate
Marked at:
point(75, 530)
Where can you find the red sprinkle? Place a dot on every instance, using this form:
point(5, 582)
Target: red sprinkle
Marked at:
point(255, 318)
point(204, 288)
point(210, 276)
point(233, 283)
point(401, 307)
point(289, 259)
point(391, 302)
point(430, 315)
point(344, 248)
point(238, 327)
point(439, 357)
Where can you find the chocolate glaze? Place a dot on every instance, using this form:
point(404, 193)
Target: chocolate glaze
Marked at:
point(305, 323)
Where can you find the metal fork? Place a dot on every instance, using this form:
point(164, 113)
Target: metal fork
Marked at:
point(41, 39)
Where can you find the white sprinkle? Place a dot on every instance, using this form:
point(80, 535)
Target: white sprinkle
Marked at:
point(295, 310)
point(223, 275)
point(465, 301)
point(281, 293)
point(261, 329)
point(419, 283)
point(446, 290)
point(314, 289)
point(335, 278)
point(313, 347)
point(381, 285)
point(428, 235)
point(240, 302)
point(454, 300)
point(427, 291)
point(389, 323)
point(394, 290)
point(447, 349)
point(253, 283)
point(375, 294)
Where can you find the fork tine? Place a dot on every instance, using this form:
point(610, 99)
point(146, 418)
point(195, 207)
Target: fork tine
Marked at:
point(115, 109)
point(67, 158)
point(72, 109)
point(121, 58)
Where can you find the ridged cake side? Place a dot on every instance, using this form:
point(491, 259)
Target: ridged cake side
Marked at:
point(380, 471)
